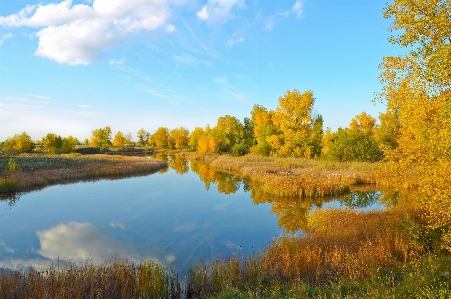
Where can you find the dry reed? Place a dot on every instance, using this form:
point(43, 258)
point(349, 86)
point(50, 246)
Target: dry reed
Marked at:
point(43, 170)
point(118, 279)
point(297, 177)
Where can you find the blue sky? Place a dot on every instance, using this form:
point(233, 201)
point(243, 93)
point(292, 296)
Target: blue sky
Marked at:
point(69, 67)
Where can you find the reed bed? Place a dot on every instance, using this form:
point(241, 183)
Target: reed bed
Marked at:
point(368, 254)
point(300, 178)
point(43, 170)
point(114, 280)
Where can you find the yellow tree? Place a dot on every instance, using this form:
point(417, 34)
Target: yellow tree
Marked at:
point(180, 136)
point(101, 137)
point(418, 85)
point(293, 118)
point(194, 137)
point(229, 130)
point(52, 143)
point(119, 139)
point(363, 123)
point(18, 144)
point(263, 127)
point(161, 137)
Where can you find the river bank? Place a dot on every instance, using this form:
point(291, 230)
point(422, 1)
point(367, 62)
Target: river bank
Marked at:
point(23, 172)
point(301, 178)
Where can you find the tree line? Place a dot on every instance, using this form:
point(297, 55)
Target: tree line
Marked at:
point(293, 129)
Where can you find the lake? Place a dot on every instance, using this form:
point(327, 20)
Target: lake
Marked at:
point(182, 214)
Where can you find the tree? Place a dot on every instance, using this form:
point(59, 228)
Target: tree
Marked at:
point(18, 144)
point(52, 143)
point(363, 123)
point(101, 138)
point(229, 130)
point(294, 121)
point(194, 137)
point(347, 145)
point(68, 144)
point(180, 137)
point(119, 139)
point(161, 137)
point(143, 137)
point(418, 86)
point(387, 133)
point(263, 127)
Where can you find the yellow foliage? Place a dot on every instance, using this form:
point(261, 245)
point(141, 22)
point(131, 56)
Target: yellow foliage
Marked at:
point(418, 86)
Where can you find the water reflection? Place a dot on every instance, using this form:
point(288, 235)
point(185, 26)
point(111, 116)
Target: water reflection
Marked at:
point(78, 242)
point(168, 217)
point(11, 199)
point(226, 183)
point(291, 212)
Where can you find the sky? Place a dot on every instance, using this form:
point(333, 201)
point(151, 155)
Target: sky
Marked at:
point(69, 67)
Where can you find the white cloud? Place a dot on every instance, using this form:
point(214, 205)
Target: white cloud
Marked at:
point(298, 8)
point(170, 28)
point(84, 106)
point(117, 61)
point(5, 37)
point(79, 34)
point(234, 40)
point(219, 11)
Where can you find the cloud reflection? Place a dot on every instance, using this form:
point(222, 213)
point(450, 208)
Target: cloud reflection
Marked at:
point(78, 242)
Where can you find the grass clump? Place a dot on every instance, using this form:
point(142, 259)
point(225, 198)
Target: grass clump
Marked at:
point(118, 279)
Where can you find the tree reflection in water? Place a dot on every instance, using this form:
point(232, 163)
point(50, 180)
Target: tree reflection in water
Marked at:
point(12, 199)
point(291, 212)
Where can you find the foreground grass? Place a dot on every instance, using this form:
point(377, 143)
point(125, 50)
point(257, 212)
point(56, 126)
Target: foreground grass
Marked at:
point(346, 254)
point(118, 279)
point(42, 170)
point(300, 178)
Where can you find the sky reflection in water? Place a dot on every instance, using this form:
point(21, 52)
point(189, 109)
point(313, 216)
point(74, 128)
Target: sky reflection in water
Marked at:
point(183, 214)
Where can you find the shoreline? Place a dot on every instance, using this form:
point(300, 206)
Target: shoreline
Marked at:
point(38, 171)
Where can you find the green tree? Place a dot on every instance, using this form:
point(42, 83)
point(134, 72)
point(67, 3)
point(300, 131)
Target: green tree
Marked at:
point(52, 143)
point(263, 127)
point(348, 145)
point(229, 130)
point(18, 144)
point(143, 137)
point(68, 144)
point(101, 138)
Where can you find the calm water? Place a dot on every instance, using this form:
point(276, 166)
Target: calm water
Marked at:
point(183, 214)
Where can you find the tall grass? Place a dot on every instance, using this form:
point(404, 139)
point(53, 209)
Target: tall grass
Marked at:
point(43, 170)
point(298, 177)
point(118, 279)
point(363, 251)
